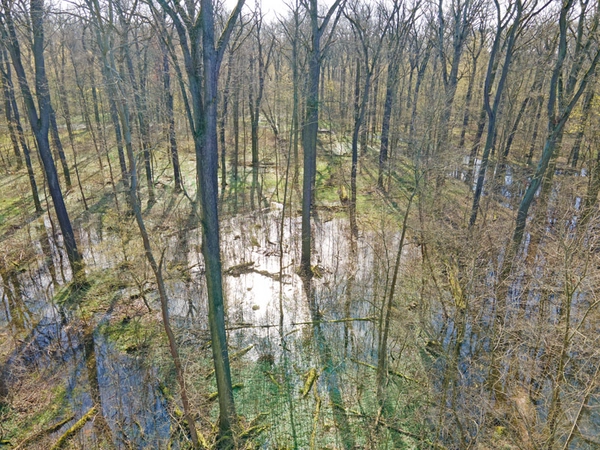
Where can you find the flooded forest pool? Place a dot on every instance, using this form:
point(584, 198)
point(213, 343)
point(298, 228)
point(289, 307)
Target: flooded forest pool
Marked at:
point(463, 373)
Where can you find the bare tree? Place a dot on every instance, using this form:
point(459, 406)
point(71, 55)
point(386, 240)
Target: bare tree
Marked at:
point(369, 44)
point(40, 116)
point(311, 121)
point(14, 123)
point(492, 108)
point(194, 27)
point(402, 22)
point(561, 101)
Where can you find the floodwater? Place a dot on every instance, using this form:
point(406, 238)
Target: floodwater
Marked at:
point(281, 333)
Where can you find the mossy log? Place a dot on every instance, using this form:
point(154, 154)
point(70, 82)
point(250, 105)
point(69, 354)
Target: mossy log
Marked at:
point(40, 434)
point(311, 377)
point(460, 299)
point(172, 404)
point(75, 428)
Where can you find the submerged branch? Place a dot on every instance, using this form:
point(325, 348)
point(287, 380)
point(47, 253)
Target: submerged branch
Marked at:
point(243, 326)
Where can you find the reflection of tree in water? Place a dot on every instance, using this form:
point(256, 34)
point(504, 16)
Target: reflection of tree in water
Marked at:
point(47, 251)
point(329, 373)
point(101, 426)
point(16, 311)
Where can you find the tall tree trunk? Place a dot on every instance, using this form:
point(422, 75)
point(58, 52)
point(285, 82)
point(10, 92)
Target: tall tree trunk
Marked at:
point(309, 136)
point(311, 126)
point(471, 171)
point(537, 112)
point(39, 119)
point(207, 168)
point(462, 17)
point(254, 113)
point(170, 118)
point(513, 130)
point(421, 67)
point(164, 301)
point(14, 118)
point(390, 94)
point(373, 116)
point(4, 73)
point(468, 99)
point(59, 148)
point(590, 200)
point(258, 67)
point(236, 133)
point(386, 312)
point(492, 109)
point(358, 118)
point(223, 121)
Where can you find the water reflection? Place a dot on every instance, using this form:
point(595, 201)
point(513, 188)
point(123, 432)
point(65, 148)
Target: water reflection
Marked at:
point(293, 328)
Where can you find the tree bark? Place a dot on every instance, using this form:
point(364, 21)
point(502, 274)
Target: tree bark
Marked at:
point(13, 118)
point(492, 109)
point(39, 119)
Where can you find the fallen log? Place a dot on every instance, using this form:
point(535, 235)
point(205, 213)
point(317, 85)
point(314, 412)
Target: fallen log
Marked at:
point(75, 428)
point(40, 434)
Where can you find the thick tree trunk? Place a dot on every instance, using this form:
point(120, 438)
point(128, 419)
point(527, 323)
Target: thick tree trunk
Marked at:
point(207, 169)
point(309, 137)
point(40, 121)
